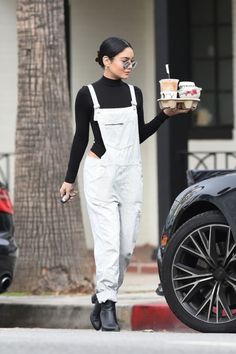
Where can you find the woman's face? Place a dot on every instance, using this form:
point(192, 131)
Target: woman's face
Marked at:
point(120, 66)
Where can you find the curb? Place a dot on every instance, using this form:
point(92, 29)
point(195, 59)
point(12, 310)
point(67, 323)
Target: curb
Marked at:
point(73, 313)
point(44, 316)
point(156, 317)
point(55, 316)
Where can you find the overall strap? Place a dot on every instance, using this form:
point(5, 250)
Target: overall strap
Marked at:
point(94, 97)
point(133, 96)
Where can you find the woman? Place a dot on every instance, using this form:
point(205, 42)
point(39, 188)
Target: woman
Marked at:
point(112, 170)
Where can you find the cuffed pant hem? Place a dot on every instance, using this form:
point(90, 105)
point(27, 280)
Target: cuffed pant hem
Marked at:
point(105, 295)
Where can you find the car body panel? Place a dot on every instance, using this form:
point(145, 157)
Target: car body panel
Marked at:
point(217, 193)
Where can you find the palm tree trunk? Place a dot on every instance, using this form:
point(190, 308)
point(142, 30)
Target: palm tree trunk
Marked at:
point(50, 236)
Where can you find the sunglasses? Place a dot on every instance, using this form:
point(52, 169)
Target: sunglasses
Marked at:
point(127, 63)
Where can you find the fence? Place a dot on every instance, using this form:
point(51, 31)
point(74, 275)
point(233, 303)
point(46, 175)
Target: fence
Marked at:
point(206, 160)
point(197, 160)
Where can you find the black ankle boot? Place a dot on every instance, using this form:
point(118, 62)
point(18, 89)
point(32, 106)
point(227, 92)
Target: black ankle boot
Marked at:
point(95, 314)
point(108, 316)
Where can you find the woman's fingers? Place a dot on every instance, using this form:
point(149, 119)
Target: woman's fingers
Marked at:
point(63, 190)
point(67, 192)
point(73, 193)
point(174, 111)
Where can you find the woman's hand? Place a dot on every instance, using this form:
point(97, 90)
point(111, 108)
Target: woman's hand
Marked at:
point(174, 111)
point(67, 191)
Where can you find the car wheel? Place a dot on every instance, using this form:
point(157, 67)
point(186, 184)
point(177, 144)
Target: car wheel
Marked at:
point(199, 274)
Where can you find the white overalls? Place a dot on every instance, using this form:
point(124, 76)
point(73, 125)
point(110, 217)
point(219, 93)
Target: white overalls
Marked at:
point(113, 189)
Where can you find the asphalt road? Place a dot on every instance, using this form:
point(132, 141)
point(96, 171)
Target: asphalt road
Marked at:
point(49, 341)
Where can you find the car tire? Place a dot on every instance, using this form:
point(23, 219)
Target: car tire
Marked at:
point(199, 274)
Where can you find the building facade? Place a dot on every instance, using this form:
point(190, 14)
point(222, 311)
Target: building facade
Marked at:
point(195, 38)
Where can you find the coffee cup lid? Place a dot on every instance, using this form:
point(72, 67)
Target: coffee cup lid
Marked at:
point(186, 83)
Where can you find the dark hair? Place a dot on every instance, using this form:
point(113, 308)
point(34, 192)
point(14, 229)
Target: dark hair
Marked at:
point(110, 47)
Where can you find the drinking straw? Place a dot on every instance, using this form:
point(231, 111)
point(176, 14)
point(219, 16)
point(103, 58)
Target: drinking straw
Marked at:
point(168, 71)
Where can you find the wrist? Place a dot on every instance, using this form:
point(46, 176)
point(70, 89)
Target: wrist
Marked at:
point(68, 183)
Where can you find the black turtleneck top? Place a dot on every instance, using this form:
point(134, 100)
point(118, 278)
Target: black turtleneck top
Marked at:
point(110, 94)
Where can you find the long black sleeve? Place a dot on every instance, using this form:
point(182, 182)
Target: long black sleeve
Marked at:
point(83, 114)
point(147, 129)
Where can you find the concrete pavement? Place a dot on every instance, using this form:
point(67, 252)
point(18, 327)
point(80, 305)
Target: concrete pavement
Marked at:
point(138, 308)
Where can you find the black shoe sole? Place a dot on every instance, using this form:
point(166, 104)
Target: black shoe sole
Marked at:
point(111, 329)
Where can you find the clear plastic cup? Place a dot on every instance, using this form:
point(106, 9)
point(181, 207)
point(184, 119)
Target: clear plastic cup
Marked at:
point(168, 88)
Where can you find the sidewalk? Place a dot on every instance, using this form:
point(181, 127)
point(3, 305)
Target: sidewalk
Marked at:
point(138, 308)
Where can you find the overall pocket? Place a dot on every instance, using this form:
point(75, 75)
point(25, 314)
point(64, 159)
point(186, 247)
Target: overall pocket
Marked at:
point(118, 135)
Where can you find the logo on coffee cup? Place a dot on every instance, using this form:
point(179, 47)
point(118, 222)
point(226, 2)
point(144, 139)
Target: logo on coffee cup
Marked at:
point(189, 90)
point(169, 94)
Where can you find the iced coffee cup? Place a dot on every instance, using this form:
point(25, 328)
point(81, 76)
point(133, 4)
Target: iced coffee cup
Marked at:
point(168, 88)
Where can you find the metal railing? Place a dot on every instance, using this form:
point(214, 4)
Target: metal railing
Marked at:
point(197, 160)
point(207, 160)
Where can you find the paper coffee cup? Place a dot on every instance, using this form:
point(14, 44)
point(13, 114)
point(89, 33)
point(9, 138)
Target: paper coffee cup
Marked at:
point(168, 88)
point(188, 89)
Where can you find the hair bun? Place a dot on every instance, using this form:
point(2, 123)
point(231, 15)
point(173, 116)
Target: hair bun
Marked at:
point(97, 58)
point(110, 47)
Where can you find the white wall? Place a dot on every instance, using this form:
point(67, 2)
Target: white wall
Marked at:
point(92, 22)
point(8, 81)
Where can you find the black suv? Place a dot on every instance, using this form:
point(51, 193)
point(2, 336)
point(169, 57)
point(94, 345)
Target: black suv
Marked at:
point(197, 253)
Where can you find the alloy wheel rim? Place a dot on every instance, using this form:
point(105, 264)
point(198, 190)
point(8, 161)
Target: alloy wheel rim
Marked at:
point(204, 274)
